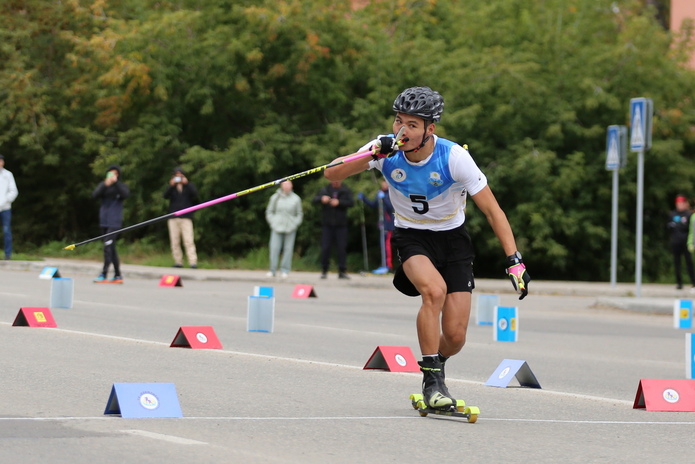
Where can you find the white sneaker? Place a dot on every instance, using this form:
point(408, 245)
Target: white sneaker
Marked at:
point(284, 275)
point(270, 274)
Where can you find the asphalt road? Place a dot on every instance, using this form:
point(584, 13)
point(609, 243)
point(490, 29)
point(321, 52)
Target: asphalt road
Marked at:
point(300, 394)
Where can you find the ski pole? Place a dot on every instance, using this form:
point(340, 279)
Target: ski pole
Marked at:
point(257, 188)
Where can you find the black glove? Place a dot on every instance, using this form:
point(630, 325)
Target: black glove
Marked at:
point(516, 271)
point(384, 147)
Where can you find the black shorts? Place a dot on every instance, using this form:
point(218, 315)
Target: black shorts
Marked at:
point(450, 251)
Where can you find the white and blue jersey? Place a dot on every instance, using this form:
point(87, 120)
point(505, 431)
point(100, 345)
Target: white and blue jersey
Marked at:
point(431, 194)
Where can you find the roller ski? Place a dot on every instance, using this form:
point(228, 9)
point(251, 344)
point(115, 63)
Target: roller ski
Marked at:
point(435, 397)
point(460, 409)
point(102, 279)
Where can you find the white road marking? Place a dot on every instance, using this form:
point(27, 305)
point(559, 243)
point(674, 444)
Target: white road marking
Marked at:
point(333, 418)
point(160, 436)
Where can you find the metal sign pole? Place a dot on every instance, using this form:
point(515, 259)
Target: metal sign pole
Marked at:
point(616, 158)
point(638, 232)
point(614, 231)
point(641, 110)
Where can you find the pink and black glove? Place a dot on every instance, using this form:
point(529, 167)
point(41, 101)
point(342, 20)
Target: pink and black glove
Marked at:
point(516, 271)
point(384, 147)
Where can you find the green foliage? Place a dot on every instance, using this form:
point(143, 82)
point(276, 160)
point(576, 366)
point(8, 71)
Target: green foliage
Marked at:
point(240, 93)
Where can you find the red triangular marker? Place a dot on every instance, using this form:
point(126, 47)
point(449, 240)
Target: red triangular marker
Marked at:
point(393, 359)
point(196, 337)
point(34, 317)
point(665, 395)
point(170, 280)
point(304, 291)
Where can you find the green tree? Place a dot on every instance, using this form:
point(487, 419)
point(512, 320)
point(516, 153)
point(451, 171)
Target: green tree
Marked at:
point(244, 92)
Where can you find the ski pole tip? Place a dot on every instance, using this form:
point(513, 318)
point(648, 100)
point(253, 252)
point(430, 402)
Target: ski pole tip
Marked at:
point(69, 247)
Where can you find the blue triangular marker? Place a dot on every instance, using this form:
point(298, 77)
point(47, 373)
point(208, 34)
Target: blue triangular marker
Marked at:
point(509, 369)
point(143, 400)
point(49, 272)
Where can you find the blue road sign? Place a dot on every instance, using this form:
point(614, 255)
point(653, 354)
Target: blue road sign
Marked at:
point(616, 147)
point(640, 124)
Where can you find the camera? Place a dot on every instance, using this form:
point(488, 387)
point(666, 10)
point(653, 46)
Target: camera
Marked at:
point(177, 179)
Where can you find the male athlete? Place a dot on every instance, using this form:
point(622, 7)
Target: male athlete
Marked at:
point(429, 178)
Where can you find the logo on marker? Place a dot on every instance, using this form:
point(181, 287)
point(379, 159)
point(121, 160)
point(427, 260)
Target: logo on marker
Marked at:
point(401, 360)
point(671, 395)
point(202, 338)
point(502, 324)
point(504, 372)
point(148, 400)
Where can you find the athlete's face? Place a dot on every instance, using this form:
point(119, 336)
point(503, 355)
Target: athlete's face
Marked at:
point(415, 129)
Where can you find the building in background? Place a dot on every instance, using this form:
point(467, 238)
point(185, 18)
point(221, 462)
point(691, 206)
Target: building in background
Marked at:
point(680, 11)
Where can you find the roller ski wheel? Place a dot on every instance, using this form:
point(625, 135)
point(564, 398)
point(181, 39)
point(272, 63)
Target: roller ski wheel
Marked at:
point(472, 412)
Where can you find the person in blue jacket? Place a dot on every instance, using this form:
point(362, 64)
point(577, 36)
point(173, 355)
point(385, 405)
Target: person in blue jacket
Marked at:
point(111, 192)
point(382, 202)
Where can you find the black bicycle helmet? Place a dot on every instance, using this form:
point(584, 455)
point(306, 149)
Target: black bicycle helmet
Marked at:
point(422, 102)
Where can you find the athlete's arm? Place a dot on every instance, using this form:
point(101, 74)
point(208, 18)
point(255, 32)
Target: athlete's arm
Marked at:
point(487, 203)
point(350, 168)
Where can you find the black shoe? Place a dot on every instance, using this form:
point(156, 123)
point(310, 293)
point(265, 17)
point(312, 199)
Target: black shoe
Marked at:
point(194, 266)
point(433, 388)
point(324, 275)
point(177, 265)
point(343, 275)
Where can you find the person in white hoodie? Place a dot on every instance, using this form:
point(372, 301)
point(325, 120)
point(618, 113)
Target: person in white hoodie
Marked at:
point(8, 193)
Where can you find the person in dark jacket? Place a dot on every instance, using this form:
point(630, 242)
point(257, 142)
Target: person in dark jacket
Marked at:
point(335, 199)
point(679, 226)
point(181, 194)
point(111, 191)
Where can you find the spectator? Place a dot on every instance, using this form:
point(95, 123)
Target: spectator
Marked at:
point(335, 199)
point(112, 192)
point(284, 215)
point(8, 193)
point(679, 226)
point(181, 194)
point(382, 202)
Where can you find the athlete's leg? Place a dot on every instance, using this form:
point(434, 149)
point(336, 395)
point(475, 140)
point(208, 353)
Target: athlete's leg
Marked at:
point(455, 316)
point(432, 287)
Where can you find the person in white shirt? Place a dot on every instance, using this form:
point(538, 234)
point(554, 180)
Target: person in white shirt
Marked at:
point(8, 193)
point(429, 180)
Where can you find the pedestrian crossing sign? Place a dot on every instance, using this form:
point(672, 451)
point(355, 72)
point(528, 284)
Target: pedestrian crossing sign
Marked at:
point(641, 110)
point(616, 147)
